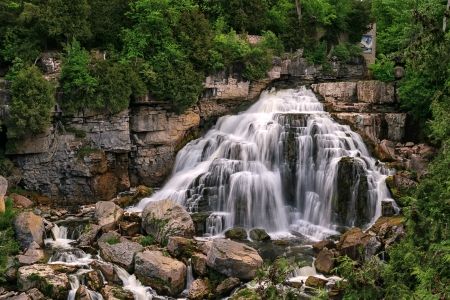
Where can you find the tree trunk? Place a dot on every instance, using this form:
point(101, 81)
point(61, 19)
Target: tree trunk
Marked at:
point(444, 22)
point(299, 8)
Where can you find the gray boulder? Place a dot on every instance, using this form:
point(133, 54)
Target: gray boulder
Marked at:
point(30, 257)
point(165, 218)
point(29, 228)
point(163, 273)
point(118, 250)
point(233, 259)
point(108, 215)
point(324, 262)
point(89, 234)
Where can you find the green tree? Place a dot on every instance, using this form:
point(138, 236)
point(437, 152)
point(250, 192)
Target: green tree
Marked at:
point(32, 98)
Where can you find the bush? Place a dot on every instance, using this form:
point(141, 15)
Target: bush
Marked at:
point(341, 53)
point(9, 245)
point(32, 100)
point(147, 241)
point(317, 55)
point(383, 69)
point(354, 49)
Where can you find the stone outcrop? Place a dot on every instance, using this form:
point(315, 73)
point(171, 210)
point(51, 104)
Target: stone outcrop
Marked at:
point(353, 240)
point(233, 259)
point(29, 228)
point(163, 273)
point(108, 215)
point(165, 218)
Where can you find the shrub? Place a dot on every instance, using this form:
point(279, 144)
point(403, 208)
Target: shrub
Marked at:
point(341, 53)
point(9, 245)
point(383, 69)
point(317, 55)
point(32, 100)
point(147, 241)
point(112, 240)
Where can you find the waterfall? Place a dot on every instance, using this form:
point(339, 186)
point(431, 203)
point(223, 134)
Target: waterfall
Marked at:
point(75, 284)
point(284, 164)
point(132, 284)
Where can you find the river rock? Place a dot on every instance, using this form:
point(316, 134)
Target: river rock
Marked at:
point(82, 293)
point(89, 235)
point(3, 188)
point(226, 286)
point(165, 218)
point(29, 228)
point(22, 201)
point(236, 234)
point(198, 261)
point(315, 282)
point(258, 234)
point(198, 290)
point(324, 262)
point(94, 280)
point(121, 253)
point(325, 243)
point(46, 278)
point(114, 292)
point(30, 257)
point(108, 215)
point(163, 273)
point(234, 259)
point(129, 228)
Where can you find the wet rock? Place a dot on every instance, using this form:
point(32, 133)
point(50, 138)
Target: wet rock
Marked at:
point(324, 262)
point(176, 245)
point(354, 239)
point(226, 286)
point(387, 208)
point(325, 243)
point(234, 259)
point(3, 188)
point(198, 261)
point(45, 278)
point(22, 201)
point(118, 250)
point(108, 215)
point(30, 257)
point(163, 273)
point(94, 280)
point(107, 271)
point(113, 292)
point(29, 228)
point(315, 282)
point(385, 150)
point(82, 293)
point(198, 290)
point(89, 235)
point(141, 192)
point(165, 218)
point(258, 234)
point(236, 234)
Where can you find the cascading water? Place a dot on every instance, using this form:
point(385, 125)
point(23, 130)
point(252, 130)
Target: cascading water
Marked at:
point(283, 164)
point(132, 284)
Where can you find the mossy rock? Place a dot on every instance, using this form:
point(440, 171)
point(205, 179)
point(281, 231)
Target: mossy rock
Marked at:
point(141, 192)
point(258, 234)
point(236, 234)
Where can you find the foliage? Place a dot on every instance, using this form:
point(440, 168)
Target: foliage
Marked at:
point(112, 240)
point(354, 49)
point(340, 52)
point(9, 245)
point(31, 102)
point(14, 70)
point(7, 167)
point(79, 133)
point(147, 240)
point(317, 55)
point(383, 69)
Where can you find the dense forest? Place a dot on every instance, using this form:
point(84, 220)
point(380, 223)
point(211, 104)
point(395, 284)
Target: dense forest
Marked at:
point(166, 47)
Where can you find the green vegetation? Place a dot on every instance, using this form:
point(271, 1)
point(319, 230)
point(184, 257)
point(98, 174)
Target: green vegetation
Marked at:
point(112, 240)
point(79, 133)
point(85, 151)
point(383, 69)
point(147, 241)
point(9, 245)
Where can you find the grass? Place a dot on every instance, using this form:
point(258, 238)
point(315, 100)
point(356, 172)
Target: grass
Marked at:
point(8, 244)
point(79, 133)
point(147, 241)
point(112, 240)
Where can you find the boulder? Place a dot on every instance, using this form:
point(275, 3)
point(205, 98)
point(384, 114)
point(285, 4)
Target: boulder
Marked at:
point(324, 262)
point(198, 261)
point(35, 294)
point(176, 245)
point(258, 234)
point(118, 250)
point(11, 269)
point(30, 257)
point(163, 273)
point(226, 286)
point(199, 290)
point(353, 240)
point(325, 243)
point(29, 228)
point(165, 218)
point(234, 259)
point(108, 215)
point(22, 201)
point(94, 280)
point(385, 151)
point(129, 228)
point(114, 292)
point(3, 188)
point(315, 282)
point(89, 235)
point(46, 278)
point(236, 234)
point(82, 293)
point(387, 208)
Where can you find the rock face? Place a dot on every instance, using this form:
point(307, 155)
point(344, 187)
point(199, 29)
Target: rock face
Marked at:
point(138, 145)
point(118, 250)
point(108, 215)
point(46, 278)
point(3, 188)
point(165, 218)
point(163, 273)
point(233, 259)
point(29, 228)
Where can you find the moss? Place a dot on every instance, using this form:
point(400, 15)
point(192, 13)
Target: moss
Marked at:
point(79, 133)
point(112, 240)
point(34, 277)
point(86, 151)
point(48, 289)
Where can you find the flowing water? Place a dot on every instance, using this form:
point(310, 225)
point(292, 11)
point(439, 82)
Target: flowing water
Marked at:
point(276, 167)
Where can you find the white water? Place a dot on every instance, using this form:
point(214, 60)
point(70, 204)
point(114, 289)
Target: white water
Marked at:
point(75, 284)
point(244, 172)
point(132, 284)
